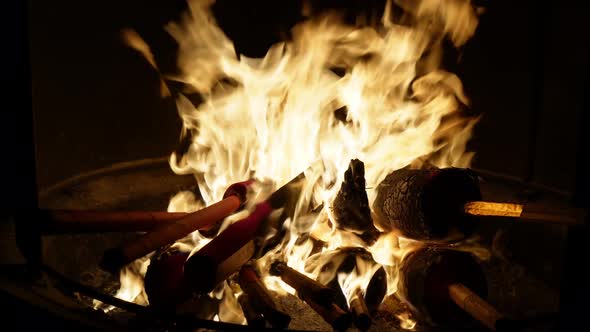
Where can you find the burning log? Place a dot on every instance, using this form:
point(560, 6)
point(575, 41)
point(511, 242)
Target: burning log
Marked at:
point(423, 204)
point(361, 317)
point(253, 317)
point(351, 206)
point(443, 285)
point(440, 205)
point(231, 249)
point(234, 197)
point(305, 286)
point(73, 221)
point(261, 298)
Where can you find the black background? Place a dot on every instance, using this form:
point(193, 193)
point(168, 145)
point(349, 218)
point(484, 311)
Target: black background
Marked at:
point(96, 101)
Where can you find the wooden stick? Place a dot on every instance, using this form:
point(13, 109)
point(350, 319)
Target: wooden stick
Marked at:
point(339, 319)
point(529, 213)
point(261, 298)
point(79, 221)
point(253, 317)
point(304, 285)
point(480, 208)
point(116, 258)
point(474, 305)
point(360, 312)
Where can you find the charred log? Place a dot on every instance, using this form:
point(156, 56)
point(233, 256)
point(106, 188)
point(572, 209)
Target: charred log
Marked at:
point(427, 205)
point(446, 287)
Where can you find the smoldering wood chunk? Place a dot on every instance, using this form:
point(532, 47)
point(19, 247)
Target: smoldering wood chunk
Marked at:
point(351, 206)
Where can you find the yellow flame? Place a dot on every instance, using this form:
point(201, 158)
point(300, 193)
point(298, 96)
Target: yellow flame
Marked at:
point(271, 118)
point(406, 321)
point(131, 288)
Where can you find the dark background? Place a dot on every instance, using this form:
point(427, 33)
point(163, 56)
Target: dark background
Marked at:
point(96, 101)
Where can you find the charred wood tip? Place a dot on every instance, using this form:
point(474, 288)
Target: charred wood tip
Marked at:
point(351, 206)
point(277, 268)
point(253, 318)
point(361, 317)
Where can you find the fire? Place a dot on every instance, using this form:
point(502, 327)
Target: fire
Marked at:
point(407, 322)
point(271, 118)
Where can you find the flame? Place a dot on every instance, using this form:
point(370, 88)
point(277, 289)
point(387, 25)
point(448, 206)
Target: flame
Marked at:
point(406, 321)
point(131, 288)
point(273, 117)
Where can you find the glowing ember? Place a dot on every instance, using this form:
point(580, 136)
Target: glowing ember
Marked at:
point(279, 115)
